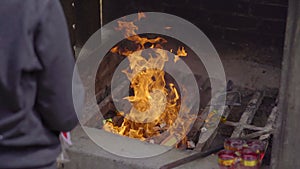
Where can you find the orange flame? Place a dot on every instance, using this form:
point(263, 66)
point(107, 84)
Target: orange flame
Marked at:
point(128, 27)
point(155, 103)
point(180, 53)
point(141, 15)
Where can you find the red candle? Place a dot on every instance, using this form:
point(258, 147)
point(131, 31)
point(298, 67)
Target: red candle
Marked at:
point(257, 146)
point(249, 159)
point(234, 145)
point(227, 159)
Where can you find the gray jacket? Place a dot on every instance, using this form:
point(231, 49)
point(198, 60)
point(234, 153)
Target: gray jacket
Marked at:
point(36, 66)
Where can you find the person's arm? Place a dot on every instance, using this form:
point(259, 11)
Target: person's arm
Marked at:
point(52, 45)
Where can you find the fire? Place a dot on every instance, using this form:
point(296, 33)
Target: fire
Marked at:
point(141, 15)
point(180, 52)
point(155, 102)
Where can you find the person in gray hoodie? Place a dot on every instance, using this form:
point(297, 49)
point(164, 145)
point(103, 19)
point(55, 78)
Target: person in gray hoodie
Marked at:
point(36, 68)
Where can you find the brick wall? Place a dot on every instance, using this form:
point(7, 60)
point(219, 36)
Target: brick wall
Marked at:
point(237, 22)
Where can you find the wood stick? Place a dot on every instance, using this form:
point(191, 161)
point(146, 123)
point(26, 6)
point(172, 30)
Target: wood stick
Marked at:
point(192, 157)
point(249, 113)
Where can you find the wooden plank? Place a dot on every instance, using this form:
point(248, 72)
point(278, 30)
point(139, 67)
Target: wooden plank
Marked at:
point(249, 113)
point(245, 126)
point(257, 134)
point(270, 123)
point(206, 137)
point(207, 114)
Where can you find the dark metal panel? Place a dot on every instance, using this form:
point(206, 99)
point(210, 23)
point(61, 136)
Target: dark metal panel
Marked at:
point(87, 19)
point(69, 10)
point(286, 145)
point(83, 17)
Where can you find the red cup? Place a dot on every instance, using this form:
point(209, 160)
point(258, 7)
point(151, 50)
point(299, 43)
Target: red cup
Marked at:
point(258, 146)
point(234, 145)
point(249, 159)
point(227, 159)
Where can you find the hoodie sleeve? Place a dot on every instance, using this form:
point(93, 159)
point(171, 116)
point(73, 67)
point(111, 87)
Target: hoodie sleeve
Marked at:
point(54, 97)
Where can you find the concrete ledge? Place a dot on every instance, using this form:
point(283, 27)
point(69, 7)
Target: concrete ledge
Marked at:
point(85, 154)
